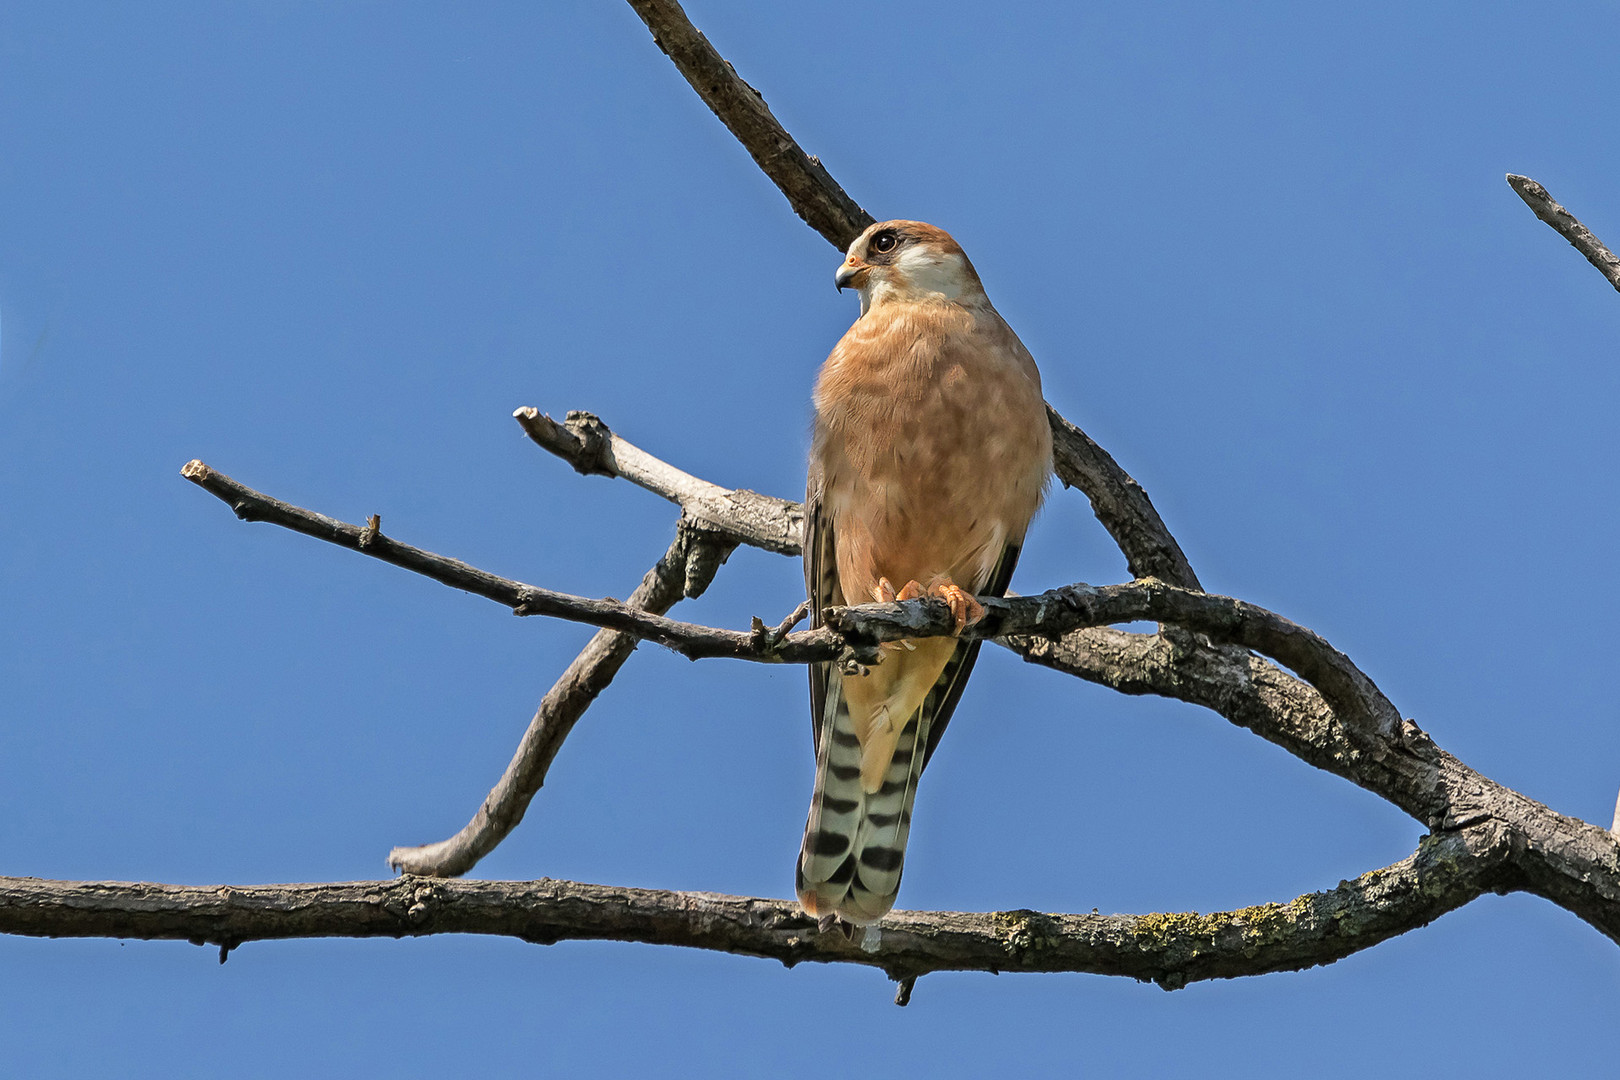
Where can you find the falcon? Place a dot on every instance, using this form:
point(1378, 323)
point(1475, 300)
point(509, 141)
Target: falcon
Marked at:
point(930, 454)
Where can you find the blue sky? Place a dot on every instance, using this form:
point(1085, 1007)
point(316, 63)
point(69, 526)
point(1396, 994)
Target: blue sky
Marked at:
point(1263, 253)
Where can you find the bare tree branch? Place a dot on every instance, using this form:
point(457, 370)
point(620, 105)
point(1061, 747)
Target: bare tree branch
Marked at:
point(1353, 697)
point(585, 442)
point(1119, 502)
point(589, 674)
point(1171, 949)
point(1535, 196)
point(1574, 864)
point(1340, 722)
point(814, 195)
point(251, 505)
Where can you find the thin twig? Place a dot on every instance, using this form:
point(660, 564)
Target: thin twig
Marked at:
point(1172, 949)
point(695, 642)
point(1536, 197)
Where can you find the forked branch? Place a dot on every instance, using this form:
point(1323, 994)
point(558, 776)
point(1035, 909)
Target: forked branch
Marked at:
point(1337, 719)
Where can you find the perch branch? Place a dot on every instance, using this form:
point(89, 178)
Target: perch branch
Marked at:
point(1171, 949)
point(1051, 614)
point(1580, 237)
point(814, 195)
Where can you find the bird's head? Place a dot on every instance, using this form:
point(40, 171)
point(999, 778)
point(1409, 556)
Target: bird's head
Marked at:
point(908, 260)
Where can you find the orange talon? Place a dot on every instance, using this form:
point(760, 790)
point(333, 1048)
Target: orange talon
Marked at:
point(964, 608)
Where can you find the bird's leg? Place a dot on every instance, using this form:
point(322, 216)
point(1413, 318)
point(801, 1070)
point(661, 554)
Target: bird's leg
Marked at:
point(964, 608)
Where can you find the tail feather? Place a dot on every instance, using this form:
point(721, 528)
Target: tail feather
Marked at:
point(855, 841)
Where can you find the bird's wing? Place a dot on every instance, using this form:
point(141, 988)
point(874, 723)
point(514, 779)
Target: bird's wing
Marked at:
point(941, 701)
point(821, 586)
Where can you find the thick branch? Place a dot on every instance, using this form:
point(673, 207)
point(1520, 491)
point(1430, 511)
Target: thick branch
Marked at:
point(1536, 197)
point(1170, 949)
point(814, 195)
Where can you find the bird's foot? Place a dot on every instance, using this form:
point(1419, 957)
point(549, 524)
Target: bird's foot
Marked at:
point(964, 608)
point(883, 592)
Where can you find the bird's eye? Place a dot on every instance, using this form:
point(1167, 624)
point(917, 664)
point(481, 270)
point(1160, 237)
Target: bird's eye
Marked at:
point(884, 242)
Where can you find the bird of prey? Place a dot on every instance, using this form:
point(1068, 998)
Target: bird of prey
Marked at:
point(931, 452)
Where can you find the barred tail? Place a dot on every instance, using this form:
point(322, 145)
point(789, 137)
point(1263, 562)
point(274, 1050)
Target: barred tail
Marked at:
point(854, 842)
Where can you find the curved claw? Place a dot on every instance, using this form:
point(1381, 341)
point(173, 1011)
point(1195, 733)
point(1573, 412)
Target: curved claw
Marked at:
point(964, 608)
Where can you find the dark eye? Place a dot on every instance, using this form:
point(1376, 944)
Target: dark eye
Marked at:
point(884, 242)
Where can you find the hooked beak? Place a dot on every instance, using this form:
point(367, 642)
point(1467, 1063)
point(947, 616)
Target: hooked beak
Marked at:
point(848, 274)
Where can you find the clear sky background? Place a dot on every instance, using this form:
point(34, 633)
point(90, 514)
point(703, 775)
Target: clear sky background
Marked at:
point(1264, 253)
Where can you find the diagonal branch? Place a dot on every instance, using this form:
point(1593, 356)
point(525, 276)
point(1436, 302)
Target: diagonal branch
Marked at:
point(1171, 949)
point(1121, 505)
point(814, 195)
point(589, 674)
point(1535, 196)
point(689, 639)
